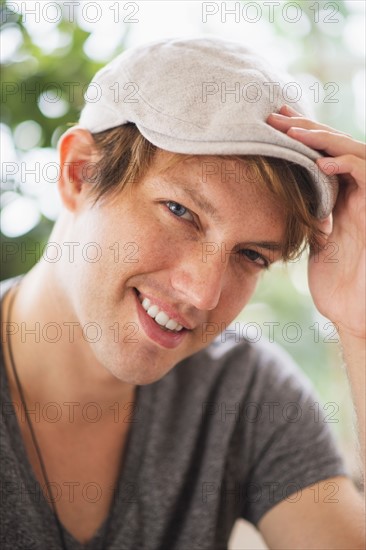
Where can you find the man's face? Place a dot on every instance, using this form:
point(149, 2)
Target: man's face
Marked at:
point(178, 246)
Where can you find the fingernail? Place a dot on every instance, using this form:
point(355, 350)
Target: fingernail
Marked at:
point(290, 110)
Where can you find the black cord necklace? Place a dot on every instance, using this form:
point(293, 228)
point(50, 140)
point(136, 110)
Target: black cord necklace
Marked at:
point(34, 439)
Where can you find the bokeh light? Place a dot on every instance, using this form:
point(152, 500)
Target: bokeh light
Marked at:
point(19, 216)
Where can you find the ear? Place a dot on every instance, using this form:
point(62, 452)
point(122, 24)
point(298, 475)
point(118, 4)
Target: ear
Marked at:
point(78, 157)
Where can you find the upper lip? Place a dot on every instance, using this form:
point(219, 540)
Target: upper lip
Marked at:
point(168, 309)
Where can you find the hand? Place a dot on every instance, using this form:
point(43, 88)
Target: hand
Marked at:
point(337, 281)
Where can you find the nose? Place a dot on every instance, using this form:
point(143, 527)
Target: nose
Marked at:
point(199, 279)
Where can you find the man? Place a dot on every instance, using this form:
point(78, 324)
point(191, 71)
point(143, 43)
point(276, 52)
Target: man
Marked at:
point(160, 249)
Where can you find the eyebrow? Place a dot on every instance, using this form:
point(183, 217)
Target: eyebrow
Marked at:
point(202, 202)
point(268, 245)
point(196, 196)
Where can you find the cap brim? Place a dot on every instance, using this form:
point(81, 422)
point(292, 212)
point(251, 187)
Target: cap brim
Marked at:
point(325, 186)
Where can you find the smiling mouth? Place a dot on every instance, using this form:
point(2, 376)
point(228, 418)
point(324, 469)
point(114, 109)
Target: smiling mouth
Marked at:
point(161, 318)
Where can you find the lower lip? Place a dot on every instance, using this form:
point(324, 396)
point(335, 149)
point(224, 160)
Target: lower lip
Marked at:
point(155, 333)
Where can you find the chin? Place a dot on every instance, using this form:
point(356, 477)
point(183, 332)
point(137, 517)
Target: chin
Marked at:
point(140, 371)
point(141, 377)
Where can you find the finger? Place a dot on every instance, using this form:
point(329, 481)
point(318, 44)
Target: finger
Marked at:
point(322, 238)
point(345, 164)
point(325, 226)
point(332, 143)
point(284, 123)
point(287, 110)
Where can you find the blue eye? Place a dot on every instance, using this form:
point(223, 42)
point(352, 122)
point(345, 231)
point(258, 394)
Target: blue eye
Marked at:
point(179, 210)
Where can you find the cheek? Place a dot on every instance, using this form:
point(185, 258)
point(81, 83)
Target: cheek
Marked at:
point(160, 247)
point(235, 297)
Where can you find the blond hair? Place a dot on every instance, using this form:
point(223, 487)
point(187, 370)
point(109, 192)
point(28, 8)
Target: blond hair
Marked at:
point(126, 156)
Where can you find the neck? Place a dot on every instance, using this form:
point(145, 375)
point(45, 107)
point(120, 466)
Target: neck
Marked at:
point(53, 360)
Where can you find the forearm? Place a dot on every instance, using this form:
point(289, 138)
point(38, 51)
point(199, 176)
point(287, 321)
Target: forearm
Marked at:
point(354, 354)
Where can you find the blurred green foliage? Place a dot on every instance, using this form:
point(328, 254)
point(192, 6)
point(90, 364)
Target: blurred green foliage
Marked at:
point(67, 69)
point(43, 73)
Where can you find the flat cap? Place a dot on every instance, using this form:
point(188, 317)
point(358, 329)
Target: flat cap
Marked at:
point(204, 96)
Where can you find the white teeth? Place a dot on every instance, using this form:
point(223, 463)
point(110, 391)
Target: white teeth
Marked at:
point(172, 325)
point(153, 311)
point(160, 316)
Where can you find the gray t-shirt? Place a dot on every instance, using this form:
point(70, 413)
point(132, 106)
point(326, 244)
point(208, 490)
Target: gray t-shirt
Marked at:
point(228, 433)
